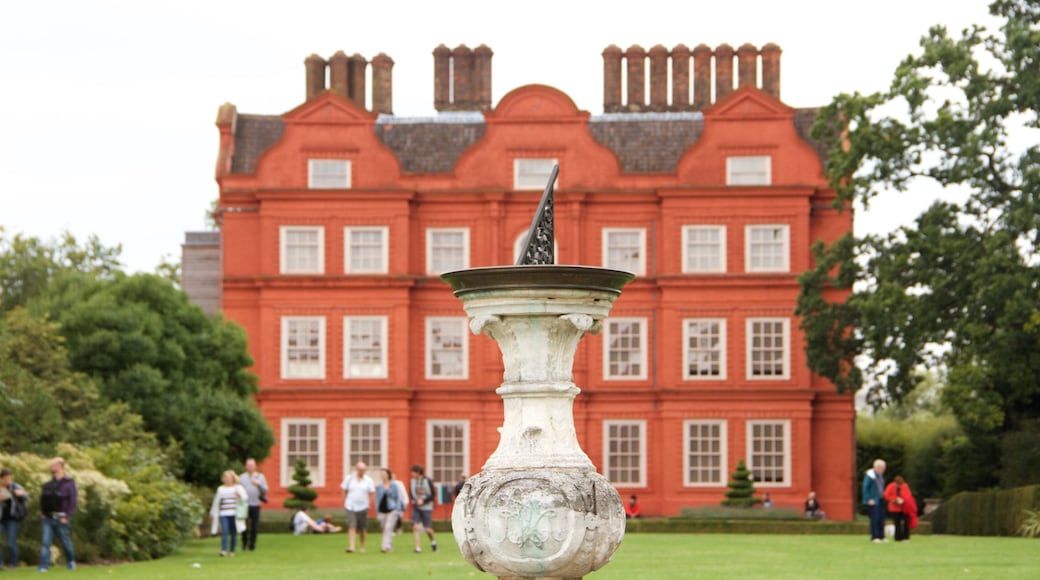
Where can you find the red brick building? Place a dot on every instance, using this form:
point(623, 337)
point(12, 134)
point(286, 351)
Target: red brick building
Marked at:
point(336, 220)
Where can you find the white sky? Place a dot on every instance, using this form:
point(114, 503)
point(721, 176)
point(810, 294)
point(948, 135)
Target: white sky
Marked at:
point(107, 107)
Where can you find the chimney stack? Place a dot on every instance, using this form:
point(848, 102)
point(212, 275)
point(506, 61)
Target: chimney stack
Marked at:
point(771, 69)
point(356, 67)
point(441, 78)
point(681, 78)
point(723, 71)
point(382, 84)
point(462, 78)
point(701, 77)
point(315, 67)
point(658, 78)
point(339, 76)
point(747, 61)
point(636, 57)
point(612, 79)
point(482, 77)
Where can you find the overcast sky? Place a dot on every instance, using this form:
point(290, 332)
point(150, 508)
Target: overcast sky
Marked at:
point(107, 108)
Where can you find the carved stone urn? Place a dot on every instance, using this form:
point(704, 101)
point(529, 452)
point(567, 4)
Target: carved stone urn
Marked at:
point(538, 509)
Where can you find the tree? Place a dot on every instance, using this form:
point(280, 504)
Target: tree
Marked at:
point(302, 494)
point(957, 291)
point(741, 486)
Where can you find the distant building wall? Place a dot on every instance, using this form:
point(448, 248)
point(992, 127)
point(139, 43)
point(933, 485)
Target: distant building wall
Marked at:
point(200, 269)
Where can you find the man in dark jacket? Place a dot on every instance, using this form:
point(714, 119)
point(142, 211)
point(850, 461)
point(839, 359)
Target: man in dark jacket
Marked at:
point(57, 504)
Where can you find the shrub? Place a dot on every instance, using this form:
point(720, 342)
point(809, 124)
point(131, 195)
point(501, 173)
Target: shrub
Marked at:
point(986, 513)
point(302, 494)
point(741, 491)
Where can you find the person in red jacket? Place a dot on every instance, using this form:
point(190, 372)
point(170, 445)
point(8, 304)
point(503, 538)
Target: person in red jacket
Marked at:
point(901, 508)
point(632, 509)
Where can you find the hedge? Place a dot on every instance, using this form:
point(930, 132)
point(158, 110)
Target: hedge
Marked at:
point(985, 513)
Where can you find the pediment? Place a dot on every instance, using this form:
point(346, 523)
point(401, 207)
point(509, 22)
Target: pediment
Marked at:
point(748, 102)
point(329, 108)
point(535, 101)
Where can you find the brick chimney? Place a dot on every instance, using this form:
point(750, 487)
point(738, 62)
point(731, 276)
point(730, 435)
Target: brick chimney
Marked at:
point(482, 77)
point(382, 84)
point(636, 57)
point(701, 77)
point(339, 77)
point(356, 68)
point(441, 78)
point(658, 78)
point(681, 78)
point(612, 79)
point(747, 63)
point(315, 66)
point(462, 78)
point(723, 71)
point(771, 69)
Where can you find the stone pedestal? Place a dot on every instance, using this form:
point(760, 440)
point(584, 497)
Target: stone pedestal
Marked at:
point(538, 509)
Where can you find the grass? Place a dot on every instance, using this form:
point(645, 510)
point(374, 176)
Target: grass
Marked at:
point(640, 556)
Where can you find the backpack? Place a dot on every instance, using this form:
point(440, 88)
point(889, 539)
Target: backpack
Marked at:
point(433, 490)
point(50, 500)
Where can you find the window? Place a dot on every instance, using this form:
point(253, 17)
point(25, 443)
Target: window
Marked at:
point(364, 440)
point(447, 249)
point(447, 445)
point(704, 249)
point(301, 250)
point(328, 173)
point(624, 349)
point(303, 439)
point(303, 347)
point(704, 355)
point(625, 249)
point(767, 348)
point(366, 250)
point(624, 450)
point(768, 449)
point(749, 170)
point(705, 453)
point(364, 347)
point(532, 173)
point(767, 249)
point(446, 348)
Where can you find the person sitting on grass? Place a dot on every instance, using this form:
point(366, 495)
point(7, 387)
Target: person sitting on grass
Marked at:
point(303, 523)
point(812, 508)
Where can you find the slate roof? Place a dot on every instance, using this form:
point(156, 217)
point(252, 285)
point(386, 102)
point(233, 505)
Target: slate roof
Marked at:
point(643, 142)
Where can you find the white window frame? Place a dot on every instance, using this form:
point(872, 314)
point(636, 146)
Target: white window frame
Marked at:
point(786, 472)
point(463, 329)
point(689, 268)
point(329, 173)
point(640, 266)
point(641, 355)
point(749, 349)
point(286, 322)
point(532, 173)
point(349, 250)
point(432, 265)
point(722, 350)
point(284, 263)
point(750, 246)
point(348, 332)
point(722, 453)
point(433, 468)
point(348, 446)
point(749, 170)
point(317, 473)
point(609, 456)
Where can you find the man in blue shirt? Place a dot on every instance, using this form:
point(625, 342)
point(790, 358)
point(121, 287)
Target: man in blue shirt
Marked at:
point(873, 495)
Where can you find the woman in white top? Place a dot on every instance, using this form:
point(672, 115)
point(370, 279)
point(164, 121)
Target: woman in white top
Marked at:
point(227, 503)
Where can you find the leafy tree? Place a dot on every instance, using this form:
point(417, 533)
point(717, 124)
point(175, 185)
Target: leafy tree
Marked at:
point(958, 291)
point(741, 491)
point(302, 494)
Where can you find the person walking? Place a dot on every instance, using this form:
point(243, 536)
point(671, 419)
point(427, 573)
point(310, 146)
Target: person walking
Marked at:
point(226, 511)
point(358, 489)
point(58, 501)
point(873, 494)
point(389, 508)
point(422, 493)
point(255, 485)
point(12, 512)
point(901, 508)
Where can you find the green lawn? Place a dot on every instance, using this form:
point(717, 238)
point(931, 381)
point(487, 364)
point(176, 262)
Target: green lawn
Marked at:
point(657, 556)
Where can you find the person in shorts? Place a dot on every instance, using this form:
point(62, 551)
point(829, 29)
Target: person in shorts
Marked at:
point(422, 494)
point(358, 494)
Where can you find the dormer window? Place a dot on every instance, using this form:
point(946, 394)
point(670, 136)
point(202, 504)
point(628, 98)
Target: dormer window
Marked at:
point(532, 173)
point(749, 170)
point(328, 174)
